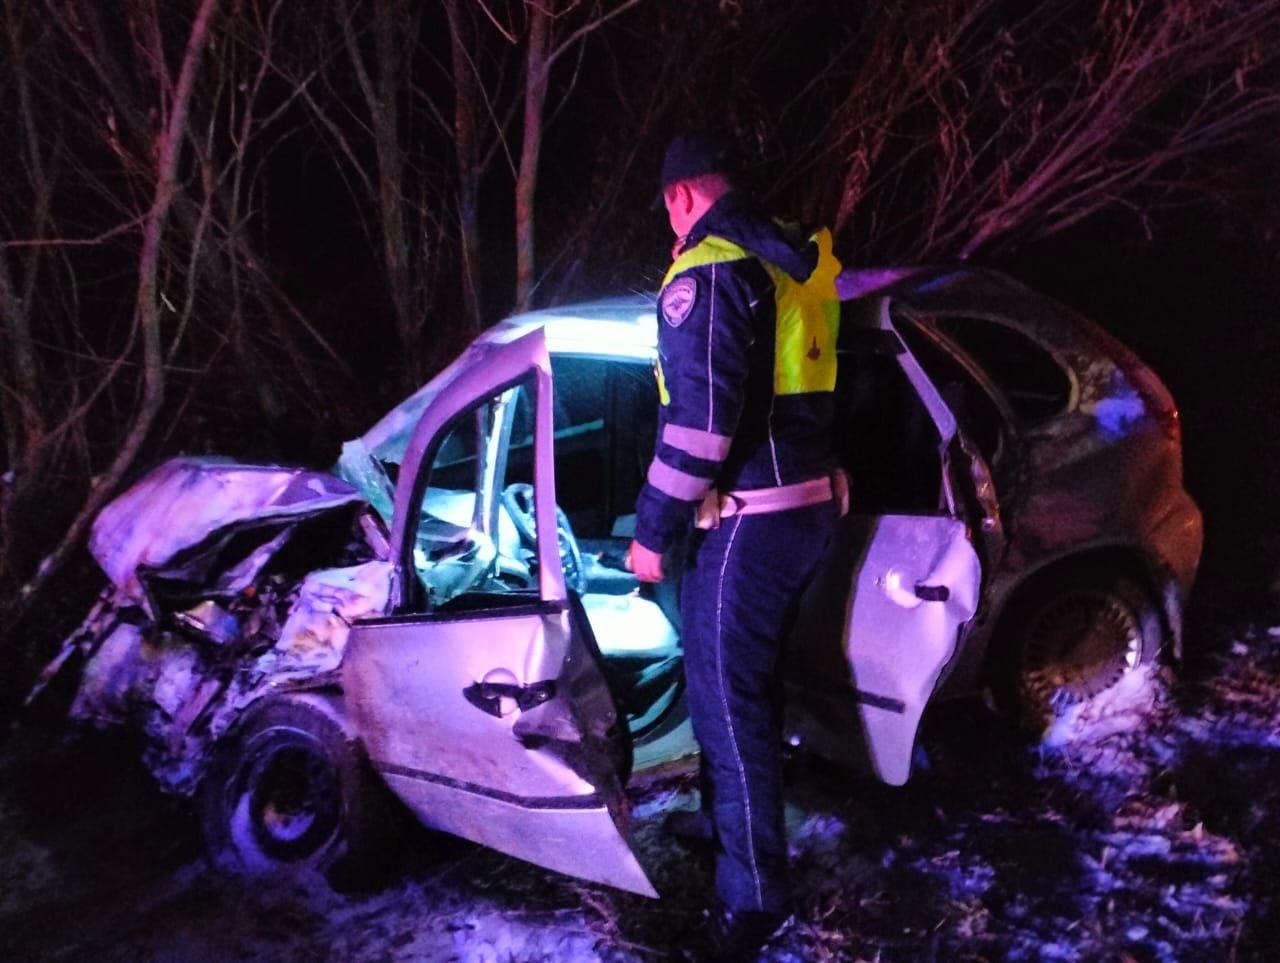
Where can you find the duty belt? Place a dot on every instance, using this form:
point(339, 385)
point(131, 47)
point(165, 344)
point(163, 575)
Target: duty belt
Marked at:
point(718, 505)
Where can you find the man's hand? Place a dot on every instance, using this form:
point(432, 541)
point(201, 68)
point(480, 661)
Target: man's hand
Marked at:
point(646, 565)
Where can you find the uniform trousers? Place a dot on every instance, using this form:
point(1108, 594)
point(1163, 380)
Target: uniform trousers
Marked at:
point(739, 596)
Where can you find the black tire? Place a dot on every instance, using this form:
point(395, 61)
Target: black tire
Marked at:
point(1070, 640)
point(287, 791)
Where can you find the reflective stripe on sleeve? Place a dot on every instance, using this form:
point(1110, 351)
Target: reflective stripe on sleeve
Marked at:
point(701, 444)
point(675, 483)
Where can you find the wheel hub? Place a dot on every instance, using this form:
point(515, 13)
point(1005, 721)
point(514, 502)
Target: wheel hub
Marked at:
point(1081, 645)
point(293, 804)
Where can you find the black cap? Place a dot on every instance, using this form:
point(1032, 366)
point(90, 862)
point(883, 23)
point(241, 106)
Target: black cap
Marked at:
point(694, 154)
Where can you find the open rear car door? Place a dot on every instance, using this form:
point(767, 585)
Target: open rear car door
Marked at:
point(884, 616)
point(489, 715)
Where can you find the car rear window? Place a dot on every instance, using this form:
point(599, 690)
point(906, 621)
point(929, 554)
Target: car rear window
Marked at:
point(1027, 375)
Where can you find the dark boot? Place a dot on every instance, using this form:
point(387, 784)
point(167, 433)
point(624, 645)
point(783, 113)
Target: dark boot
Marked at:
point(739, 935)
point(693, 827)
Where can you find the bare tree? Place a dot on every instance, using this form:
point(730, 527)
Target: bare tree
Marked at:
point(537, 69)
point(161, 172)
point(171, 134)
point(240, 137)
point(1002, 125)
point(551, 30)
point(466, 82)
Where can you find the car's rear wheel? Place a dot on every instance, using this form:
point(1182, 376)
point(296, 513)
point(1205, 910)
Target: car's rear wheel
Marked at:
point(1071, 642)
point(287, 791)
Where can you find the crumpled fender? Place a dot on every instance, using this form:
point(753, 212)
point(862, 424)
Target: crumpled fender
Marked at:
point(172, 513)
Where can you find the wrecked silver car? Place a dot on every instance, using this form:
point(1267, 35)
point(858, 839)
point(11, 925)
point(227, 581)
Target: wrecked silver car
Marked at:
point(447, 609)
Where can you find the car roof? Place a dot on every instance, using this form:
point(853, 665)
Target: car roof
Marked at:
point(624, 327)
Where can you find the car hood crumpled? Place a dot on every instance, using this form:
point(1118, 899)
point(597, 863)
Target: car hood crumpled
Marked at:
point(173, 521)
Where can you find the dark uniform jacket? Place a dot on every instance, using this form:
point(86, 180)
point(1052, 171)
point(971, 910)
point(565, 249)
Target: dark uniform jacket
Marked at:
point(747, 323)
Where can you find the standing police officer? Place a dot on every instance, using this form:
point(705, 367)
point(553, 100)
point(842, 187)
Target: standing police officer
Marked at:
point(748, 320)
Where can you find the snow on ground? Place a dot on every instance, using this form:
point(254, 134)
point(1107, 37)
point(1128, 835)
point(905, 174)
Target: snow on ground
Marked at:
point(1155, 838)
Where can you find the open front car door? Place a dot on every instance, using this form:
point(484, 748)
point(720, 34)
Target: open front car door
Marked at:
point(480, 700)
point(883, 619)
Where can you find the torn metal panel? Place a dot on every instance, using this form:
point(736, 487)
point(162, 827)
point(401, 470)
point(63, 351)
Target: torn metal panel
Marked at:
point(157, 683)
point(100, 620)
point(212, 621)
point(328, 602)
point(162, 525)
point(308, 646)
point(183, 683)
point(111, 675)
point(180, 670)
point(241, 575)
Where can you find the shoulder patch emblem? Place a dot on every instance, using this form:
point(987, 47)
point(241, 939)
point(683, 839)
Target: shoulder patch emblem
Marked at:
point(678, 299)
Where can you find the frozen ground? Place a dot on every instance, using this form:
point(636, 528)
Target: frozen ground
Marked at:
point(1161, 841)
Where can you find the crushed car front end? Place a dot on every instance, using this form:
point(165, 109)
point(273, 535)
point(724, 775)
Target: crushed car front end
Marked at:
point(227, 582)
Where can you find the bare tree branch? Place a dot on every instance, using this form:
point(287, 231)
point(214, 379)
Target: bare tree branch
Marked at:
point(147, 311)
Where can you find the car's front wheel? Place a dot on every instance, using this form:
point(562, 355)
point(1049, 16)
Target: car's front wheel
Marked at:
point(1072, 648)
point(286, 791)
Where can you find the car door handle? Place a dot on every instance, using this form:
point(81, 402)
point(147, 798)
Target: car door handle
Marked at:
point(488, 696)
point(932, 593)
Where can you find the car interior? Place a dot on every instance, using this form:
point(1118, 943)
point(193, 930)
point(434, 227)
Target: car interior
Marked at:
point(604, 426)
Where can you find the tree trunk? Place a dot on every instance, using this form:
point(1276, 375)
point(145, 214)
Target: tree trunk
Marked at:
point(391, 201)
point(537, 70)
point(465, 89)
point(24, 425)
point(380, 95)
point(21, 408)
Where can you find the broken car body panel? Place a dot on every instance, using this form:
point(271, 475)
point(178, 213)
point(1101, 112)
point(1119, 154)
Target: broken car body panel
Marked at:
point(170, 524)
point(196, 625)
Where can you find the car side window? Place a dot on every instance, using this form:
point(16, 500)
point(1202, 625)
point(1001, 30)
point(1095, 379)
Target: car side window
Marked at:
point(461, 544)
point(975, 412)
point(605, 422)
point(1033, 382)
